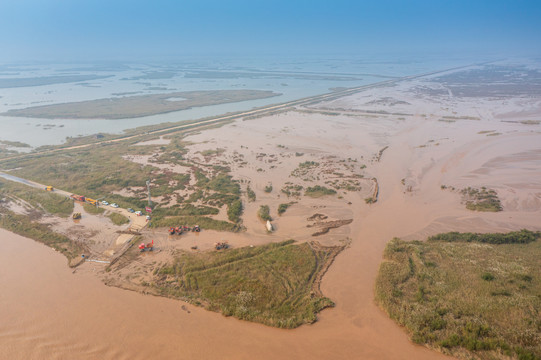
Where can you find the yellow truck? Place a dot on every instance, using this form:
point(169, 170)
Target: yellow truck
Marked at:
point(49, 188)
point(91, 201)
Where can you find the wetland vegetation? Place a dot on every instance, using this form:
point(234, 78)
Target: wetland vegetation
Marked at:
point(318, 191)
point(469, 295)
point(139, 105)
point(481, 199)
point(275, 284)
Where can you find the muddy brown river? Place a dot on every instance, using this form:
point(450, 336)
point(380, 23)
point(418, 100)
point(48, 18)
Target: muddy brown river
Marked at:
point(47, 311)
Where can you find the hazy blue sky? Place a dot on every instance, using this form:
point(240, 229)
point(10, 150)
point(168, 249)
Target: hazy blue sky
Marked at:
point(132, 29)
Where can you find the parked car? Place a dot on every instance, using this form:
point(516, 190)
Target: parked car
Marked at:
point(148, 217)
point(104, 203)
point(138, 213)
point(114, 205)
point(131, 210)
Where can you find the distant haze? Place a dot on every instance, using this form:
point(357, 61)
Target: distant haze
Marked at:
point(67, 30)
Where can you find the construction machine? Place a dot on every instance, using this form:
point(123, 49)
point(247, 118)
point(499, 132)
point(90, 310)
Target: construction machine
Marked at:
point(221, 245)
point(91, 201)
point(77, 197)
point(149, 246)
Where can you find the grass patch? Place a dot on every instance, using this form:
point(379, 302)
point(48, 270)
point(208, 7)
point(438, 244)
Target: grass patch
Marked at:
point(234, 211)
point(40, 199)
point(95, 172)
point(481, 199)
point(487, 276)
point(283, 207)
point(318, 191)
point(222, 183)
point(251, 194)
point(308, 164)
point(514, 237)
point(140, 105)
point(464, 295)
point(94, 210)
point(275, 284)
point(118, 219)
point(264, 213)
point(306, 170)
point(292, 190)
point(212, 152)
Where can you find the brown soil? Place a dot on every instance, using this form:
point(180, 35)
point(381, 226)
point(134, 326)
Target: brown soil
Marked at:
point(317, 217)
point(325, 227)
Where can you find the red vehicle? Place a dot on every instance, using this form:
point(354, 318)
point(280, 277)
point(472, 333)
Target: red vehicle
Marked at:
point(149, 246)
point(178, 229)
point(77, 197)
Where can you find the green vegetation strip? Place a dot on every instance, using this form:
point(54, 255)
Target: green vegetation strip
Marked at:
point(481, 199)
point(234, 211)
point(469, 295)
point(92, 209)
point(275, 284)
point(118, 219)
point(318, 191)
point(251, 194)
point(515, 237)
point(283, 207)
point(264, 213)
point(139, 105)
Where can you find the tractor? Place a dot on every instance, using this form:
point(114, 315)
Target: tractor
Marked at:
point(149, 246)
